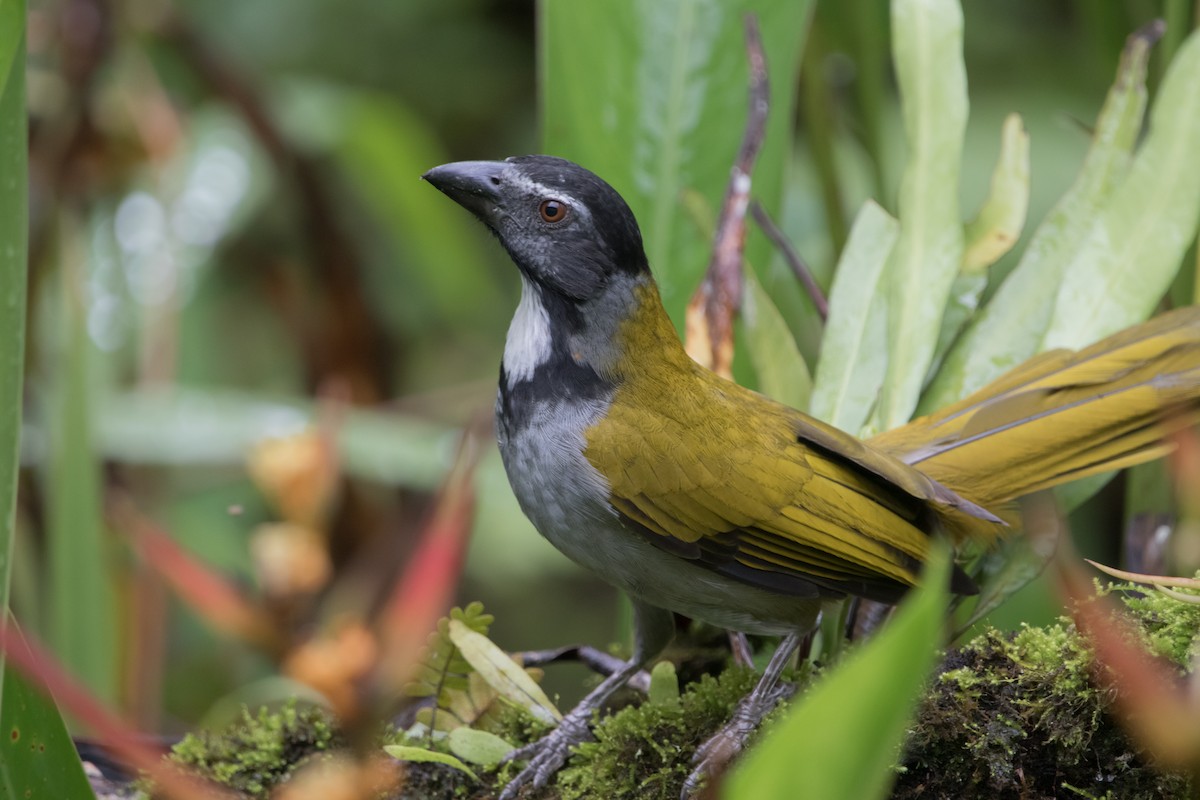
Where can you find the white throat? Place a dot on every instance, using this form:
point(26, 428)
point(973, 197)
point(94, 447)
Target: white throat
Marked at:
point(528, 344)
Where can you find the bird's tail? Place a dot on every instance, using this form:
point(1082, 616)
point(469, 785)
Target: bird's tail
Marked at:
point(1063, 415)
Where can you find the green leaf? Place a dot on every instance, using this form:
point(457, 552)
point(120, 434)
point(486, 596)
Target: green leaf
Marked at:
point(402, 752)
point(478, 747)
point(782, 373)
point(854, 349)
point(194, 427)
point(83, 624)
point(444, 673)
point(664, 684)
point(1014, 561)
point(37, 757)
point(383, 148)
point(503, 674)
point(664, 110)
point(1134, 248)
point(998, 224)
point(927, 48)
point(990, 235)
point(14, 226)
point(840, 740)
point(1011, 326)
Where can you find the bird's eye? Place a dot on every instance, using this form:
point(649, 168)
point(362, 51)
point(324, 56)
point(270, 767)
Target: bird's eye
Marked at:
point(553, 210)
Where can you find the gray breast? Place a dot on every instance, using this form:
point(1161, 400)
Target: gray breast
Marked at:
point(566, 498)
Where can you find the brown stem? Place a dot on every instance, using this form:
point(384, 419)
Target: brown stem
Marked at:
point(721, 290)
point(794, 260)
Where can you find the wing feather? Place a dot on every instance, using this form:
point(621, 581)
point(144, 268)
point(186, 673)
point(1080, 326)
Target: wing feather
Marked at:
point(735, 483)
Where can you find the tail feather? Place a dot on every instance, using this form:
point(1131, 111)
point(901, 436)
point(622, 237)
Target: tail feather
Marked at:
point(1063, 415)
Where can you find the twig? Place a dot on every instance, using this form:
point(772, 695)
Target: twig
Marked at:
point(794, 260)
point(721, 290)
point(596, 660)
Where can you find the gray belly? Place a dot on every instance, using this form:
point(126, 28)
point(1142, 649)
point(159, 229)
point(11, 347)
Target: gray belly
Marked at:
point(567, 501)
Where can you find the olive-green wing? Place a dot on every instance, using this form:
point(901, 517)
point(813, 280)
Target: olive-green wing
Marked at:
point(761, 493)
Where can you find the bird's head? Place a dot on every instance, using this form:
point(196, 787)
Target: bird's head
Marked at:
point(566, 229)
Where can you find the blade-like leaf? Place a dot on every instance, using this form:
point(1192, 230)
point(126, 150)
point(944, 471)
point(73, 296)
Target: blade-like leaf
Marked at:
point(782, 373)
point(927, 48)
point(195, 428)
point(83, 611)
point(998, 225)
point(37, 757)
point(990, 235)
point(1010, 327)
point(14, 224)
point(854, 349)
point(503, 674)
point(1126, 263)
point(851, 724)
point(664, 110)
point(383, 146)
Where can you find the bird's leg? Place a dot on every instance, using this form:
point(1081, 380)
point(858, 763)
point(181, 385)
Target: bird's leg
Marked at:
point(723, 745)
point(739, 646)
point(653, 629)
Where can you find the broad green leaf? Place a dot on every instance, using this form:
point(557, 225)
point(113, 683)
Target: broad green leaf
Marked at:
point(37, 757)
point(83, 622)
point(782, 373)
point(14, 225)
point(193, 427)
point(998, 224)
point(840, 740)
point(927, 48)
point(402, 752)
point(664, 107)
point(854, 349)
point(1134, 248)
point(383, 148)
point(478, 747)
point(503, 674)
point(1010, 327)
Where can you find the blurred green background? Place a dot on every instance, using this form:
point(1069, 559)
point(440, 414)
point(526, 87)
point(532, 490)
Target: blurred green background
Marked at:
point(228, 230)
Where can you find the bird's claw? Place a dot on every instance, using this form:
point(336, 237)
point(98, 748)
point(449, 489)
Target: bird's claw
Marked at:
point(547, 755)
point(714, 755)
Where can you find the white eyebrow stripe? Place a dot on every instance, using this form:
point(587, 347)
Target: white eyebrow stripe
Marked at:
point(524, 182)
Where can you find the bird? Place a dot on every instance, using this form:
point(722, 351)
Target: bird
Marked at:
point(697, 496)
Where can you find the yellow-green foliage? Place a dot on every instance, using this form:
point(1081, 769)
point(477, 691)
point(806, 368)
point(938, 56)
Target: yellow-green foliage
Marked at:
point(445, 675)
point(644, 752)
point(1009, 715)
point(1169, 627)
point(259, 751)
point(1017, 715)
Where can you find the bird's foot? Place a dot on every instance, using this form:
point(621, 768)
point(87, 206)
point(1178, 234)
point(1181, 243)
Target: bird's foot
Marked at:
point(714, 755)
point(548, 754)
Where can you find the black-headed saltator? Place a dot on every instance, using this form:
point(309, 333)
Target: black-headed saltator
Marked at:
point(695, 495)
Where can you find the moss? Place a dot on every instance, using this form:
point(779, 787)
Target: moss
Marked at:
point(645, 751)
point(1017, 715)
point(1170, 628)
point(1009, 716)
point(258, 751)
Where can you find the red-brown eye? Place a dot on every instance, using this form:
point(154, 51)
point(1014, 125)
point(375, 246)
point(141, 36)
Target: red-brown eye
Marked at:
point(553, 210)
